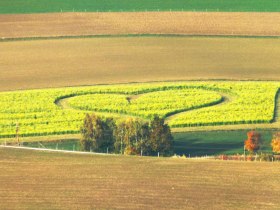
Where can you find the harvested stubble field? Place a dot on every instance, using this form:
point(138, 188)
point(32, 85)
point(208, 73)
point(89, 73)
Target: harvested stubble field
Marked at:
point(71, 62)
point(82, 24)
point(32, 180)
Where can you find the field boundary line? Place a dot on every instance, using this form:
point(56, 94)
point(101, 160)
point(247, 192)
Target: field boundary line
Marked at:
point(4, 39)
point(54, 150)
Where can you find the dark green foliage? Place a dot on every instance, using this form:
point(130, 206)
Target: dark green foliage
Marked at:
point(129, 136)
point(108, 142)
point(161, 139)
point(87, 134)
point(42, 6)
point(97, 134)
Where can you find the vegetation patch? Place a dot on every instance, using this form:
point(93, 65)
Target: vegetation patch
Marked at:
point(42, 112)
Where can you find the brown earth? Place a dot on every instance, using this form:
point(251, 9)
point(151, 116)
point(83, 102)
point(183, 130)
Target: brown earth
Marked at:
point(71, 62)
point(198, 23)
point(43, 180)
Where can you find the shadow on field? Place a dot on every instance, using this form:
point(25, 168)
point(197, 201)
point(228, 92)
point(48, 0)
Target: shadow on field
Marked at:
point(194, 147)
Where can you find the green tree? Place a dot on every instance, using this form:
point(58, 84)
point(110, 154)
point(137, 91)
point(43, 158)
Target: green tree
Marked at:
point(108, 137)
point(119, 137)
point(144, 144)
point(131, 136)
point(161, 139)
point(97, 134)
point(87, 134)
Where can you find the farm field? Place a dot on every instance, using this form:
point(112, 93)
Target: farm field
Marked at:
point(182, 104)
point(209, 68)
point(73, 62)
point(43, 6)
point(101, 182)
point(133, 23)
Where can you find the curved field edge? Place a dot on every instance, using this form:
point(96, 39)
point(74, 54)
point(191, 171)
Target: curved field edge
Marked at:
point(47, 6)
point(64, 25)
point(225, 98)
point(46, 118)
point(68, 102)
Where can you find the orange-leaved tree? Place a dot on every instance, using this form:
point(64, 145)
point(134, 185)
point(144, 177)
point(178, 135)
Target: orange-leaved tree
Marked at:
point(253, 142)
point(275, 143)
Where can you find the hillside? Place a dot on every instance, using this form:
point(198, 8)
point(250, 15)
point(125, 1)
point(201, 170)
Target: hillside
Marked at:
point(102, 182)
point(72, 62)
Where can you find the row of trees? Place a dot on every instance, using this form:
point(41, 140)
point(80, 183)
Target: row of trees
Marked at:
point(128, 136)
point(254, 142)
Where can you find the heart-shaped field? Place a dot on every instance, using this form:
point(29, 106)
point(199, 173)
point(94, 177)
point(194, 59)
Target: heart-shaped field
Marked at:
point(162, 103)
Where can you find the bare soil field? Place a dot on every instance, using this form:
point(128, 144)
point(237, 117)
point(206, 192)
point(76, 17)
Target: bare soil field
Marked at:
point(198, 23)
point(72, 62)
point(32, 180)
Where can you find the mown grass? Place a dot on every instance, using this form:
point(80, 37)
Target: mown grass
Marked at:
point(41, 6)
point(217, 142)
point(43, 180)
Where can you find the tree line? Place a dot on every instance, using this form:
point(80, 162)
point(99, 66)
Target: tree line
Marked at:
point(129, 136)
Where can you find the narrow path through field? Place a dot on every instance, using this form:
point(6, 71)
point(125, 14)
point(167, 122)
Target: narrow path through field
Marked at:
point(63, 103)
point(225, 99)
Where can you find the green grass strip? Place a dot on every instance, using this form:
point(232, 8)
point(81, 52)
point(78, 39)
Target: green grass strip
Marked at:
point(47, 6)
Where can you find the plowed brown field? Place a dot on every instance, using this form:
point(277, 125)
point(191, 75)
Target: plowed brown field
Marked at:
point(42, 180)
point(68, 62)
point(198, 23)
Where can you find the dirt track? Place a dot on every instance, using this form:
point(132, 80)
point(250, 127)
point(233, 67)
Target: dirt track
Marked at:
point(202, 23)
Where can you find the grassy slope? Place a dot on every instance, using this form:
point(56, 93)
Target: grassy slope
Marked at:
point(41, 6)
point(103, 182)
point(216, 142)
point(188, 143)
point(71, 62)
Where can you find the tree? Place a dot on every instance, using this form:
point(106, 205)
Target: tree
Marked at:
point(87, 134)
point(161, 139)
point(97, 134)
point(275, 143)
point(144, 144)
point(119, 137)
point(253, 142)
point(108, 138)
point(127, 136)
